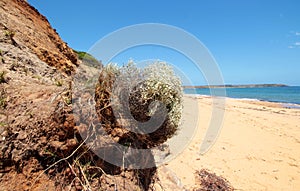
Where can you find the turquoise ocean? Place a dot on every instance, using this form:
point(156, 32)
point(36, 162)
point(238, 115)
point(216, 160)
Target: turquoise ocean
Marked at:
point(287, 95)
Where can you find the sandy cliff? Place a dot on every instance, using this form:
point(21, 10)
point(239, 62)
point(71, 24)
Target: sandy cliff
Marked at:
point(32, 30)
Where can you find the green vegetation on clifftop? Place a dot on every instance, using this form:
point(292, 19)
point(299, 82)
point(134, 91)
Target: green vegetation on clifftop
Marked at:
point(88, 59)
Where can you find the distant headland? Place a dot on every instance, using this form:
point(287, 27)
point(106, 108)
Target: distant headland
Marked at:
point(238, 86)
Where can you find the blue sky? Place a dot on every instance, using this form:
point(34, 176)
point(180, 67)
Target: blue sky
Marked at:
point(255, 41)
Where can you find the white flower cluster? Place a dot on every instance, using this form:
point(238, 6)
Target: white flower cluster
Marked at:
point(161, 83)
point(156, 81)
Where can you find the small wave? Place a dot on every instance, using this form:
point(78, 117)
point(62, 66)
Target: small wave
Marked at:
point(291, 106)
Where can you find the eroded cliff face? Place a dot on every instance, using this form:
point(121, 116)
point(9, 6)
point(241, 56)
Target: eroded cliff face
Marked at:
point(27, 27)
point(35, 107)
point(41, 147)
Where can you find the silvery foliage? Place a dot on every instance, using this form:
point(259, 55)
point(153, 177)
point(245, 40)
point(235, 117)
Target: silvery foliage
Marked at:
point(154, 87)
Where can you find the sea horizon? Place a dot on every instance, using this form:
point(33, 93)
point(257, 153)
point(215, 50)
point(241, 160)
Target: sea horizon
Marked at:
point(281, 94)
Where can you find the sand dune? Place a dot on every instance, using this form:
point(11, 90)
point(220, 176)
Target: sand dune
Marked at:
point(258, 147)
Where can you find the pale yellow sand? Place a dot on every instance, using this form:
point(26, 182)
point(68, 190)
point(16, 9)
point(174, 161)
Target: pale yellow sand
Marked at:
point(258, 147)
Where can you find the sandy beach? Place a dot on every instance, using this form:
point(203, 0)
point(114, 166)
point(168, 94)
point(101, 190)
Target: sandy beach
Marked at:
point(258, 147)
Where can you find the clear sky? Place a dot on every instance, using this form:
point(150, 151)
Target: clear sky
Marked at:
point(255, 41)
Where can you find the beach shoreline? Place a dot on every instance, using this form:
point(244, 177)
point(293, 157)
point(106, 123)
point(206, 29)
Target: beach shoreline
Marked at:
point(258, 146)
point(286, 105)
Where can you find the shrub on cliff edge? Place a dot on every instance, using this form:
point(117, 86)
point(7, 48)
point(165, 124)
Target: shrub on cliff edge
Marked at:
point(141, 93)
